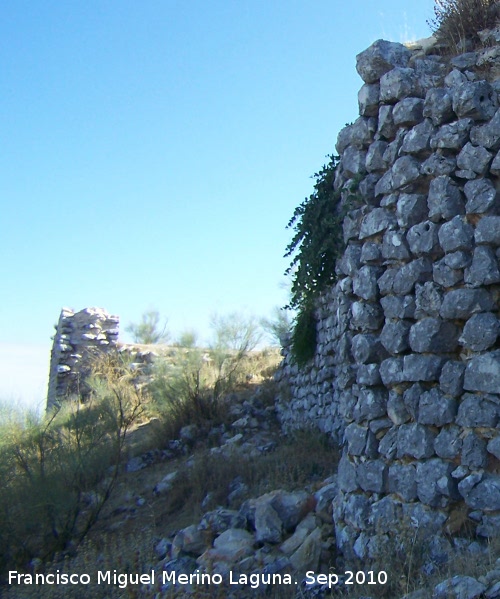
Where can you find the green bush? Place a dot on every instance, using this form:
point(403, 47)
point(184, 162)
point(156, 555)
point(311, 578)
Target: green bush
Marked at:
point(456, 23)
point(58, 472)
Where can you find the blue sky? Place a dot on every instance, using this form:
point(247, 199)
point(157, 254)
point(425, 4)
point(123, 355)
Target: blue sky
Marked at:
point(154, 151)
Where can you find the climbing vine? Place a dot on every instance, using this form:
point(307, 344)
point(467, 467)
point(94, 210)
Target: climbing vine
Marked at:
point(315, 247)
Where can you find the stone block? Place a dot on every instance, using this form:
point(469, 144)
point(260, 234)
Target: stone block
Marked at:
point(453, 136)
point(481, 196)
point(437, 165)
point(381, 57)
point(474, 158)
point(446, 276)
point(405, 171)
point(371, 404)
point(357, 511)
point(391, 371)
point(438, 106)
point(402, 480)
point(428, 300)
point(394, 336)
point(484, 268)
point(458, 260)
point(371, 252)
point(371, 476)
point(346, 475)
point(354, 161)
point(463, 303)
point(475, 99)
point(435, 483)
point(350, 262)
point(483, 373)
point(487, 135)
point(488, 231)
point(368, 374)
point(475, 410)
point(436, 409)
point(445, 199)
point(388, 445)
point(395, 306)
point(417, 271)
point(421, 368)
point(386, 127)
point(396, 408)
point(418, 139)
point(366, 316)
point(480, 332)
point(474, 454)
point(394, 246)
point(364, 283)
point(397, 84)
point(451, 380)
point(411, 209)
point(365, 348)
point(384, 513)
point(415, 440)
point(411, 398)
point(423, 239)
point(433, 335)
point(408, 112)
point(376, 221)
point(485, 495)
point(456, 234)
point(355, 437)
point(493, 447)
point(448, 443)
point(368, 99)
point(375, 157)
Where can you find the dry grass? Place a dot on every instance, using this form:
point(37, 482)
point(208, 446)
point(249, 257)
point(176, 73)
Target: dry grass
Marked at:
point(456, 23)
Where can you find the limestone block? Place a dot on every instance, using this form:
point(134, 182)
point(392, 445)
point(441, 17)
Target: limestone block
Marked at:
point(384, 184)
point(421, 367)
point(418, 139)
point(493, 447)
point(446, 276)
point(396, 408)
point(376, 221)
point(475, 410)
point(397, 84)
point(411, 398)
point(445, 199)
point(452, 136)
point(484, 268)
point(386, 281)
point(416, 441)
point(350, 262)
point(490, 527)
point(476, 100)
point(448, 443)
point(436, 409)
point(464, 61)
point(353, 161)
point(481, 196)
point(356, 511)
point(356, 437)
point(346, 475)
point(428, 300)
point(438, 106)
point(384, 513)
point(463, 303)
point(394, 336)
point(434, 482)
point(458, 260)
point(394, 246)
point(474, 454)
point(487, 135)
point(386, 127)
point(459, 587)
point(368, 99)
point(379, 58)
point(485, 495)
point(402, 480)
point(437, 165)
point(488, 231)
point(433, 335)
point(395, 306)
point(452, 378)
point(495, 165)
point(408, 112)
point(368, 374)
point(375, 156)
point(371, 252)
point(391, 371)
point(411, 209)
point(427, 520)
point(456, 234)
point(480, 331)
point(483, 373)
point(405, 171)
point(364, 282)
point(366, 316)
point(365, 348)
point(423, 238)
point(388, 445)
point(371, 404)
point(474, 158)
point(371, 476)
point(417, 271)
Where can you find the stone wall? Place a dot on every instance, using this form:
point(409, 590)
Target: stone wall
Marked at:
point(407, 370)
point(79, 337)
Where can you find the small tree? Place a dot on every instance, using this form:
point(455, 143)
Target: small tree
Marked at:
point(149, 330)
point(279, 326)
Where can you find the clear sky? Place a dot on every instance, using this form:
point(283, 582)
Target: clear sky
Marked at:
point(154, 151)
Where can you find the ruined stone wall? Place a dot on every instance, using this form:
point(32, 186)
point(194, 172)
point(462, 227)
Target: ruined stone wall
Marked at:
point(407, 370)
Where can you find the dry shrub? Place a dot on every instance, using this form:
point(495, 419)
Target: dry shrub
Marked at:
point(456, 23)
